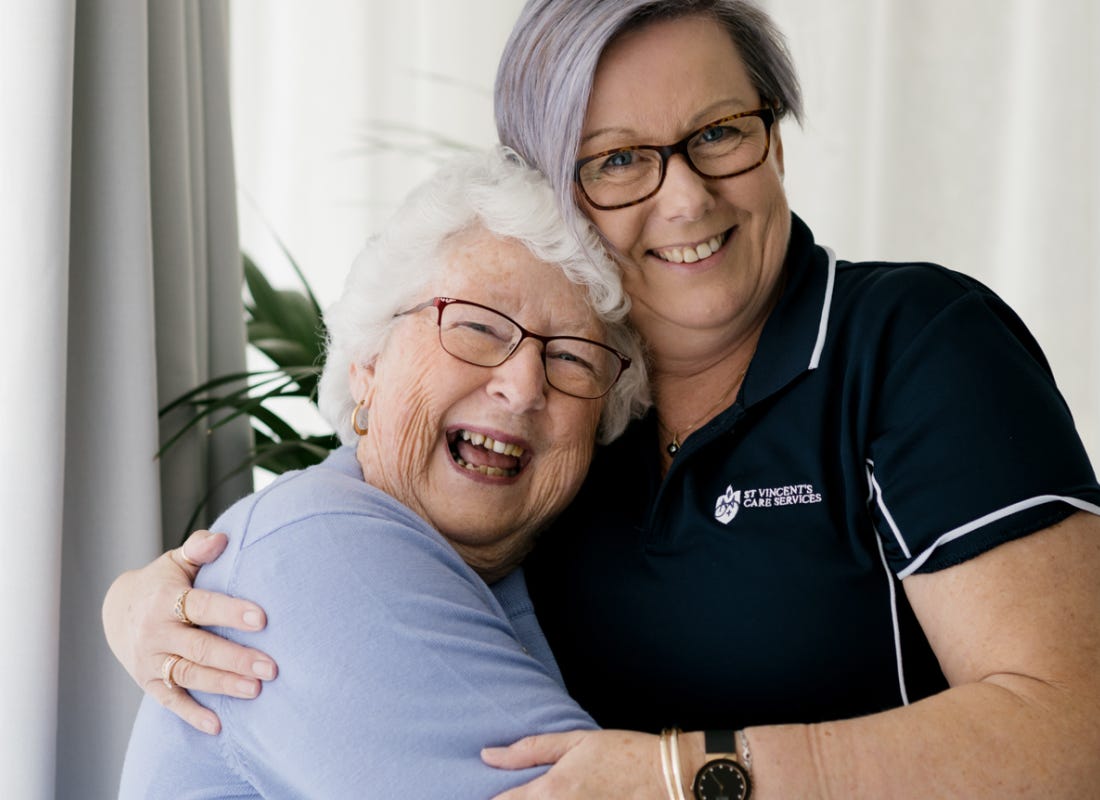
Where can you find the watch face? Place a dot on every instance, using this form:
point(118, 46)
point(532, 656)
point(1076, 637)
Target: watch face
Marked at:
point(721, 779)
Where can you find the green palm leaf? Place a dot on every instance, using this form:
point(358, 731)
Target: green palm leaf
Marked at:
point(286, 326)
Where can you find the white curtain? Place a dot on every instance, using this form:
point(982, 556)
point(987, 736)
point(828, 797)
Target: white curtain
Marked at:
point(122, 273)
point(341, 106)
point(964, 133)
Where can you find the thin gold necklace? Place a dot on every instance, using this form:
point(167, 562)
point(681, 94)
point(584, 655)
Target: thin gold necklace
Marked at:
point(674, 445)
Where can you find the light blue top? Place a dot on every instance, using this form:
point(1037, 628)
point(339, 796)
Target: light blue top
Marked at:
point(397, 663)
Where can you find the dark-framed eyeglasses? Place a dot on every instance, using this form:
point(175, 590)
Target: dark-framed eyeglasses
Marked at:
point(724, 148)
point(484, 337)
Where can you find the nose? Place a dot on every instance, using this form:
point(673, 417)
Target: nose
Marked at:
point(520, 382)
point(684, 194)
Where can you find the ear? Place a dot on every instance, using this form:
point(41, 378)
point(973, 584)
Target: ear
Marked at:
point(777, 150)
point(361, 382)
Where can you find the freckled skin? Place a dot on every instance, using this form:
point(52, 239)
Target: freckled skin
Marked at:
point(639, 97)
point(416, 392)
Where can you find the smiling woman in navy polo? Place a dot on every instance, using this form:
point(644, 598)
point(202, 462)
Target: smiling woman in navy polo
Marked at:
point(774, 548)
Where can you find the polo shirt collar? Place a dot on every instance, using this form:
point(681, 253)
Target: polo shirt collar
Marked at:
point(795, 333)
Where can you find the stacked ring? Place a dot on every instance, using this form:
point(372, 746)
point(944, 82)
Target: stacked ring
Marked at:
point(166, 670)
point(181, 608)
point(183, 555)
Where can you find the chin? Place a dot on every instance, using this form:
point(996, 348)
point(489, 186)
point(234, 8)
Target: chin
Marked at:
point(494, 559)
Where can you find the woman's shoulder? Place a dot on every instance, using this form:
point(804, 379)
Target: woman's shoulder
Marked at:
point(907, 297)
point(871, 284)
point(324, 511)
point(884, 311)
point(904, 282)
point(332, 489)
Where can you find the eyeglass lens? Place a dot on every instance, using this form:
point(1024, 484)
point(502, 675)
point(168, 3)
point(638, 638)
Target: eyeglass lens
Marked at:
point(487, 338)
point(724, 148)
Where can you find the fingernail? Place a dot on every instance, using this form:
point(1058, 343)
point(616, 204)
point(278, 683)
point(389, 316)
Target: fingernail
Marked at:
point(209, 725)
point(247, 688)
point(252, 619)
point(264, 670)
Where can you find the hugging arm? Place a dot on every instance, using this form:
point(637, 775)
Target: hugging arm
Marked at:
point(1017, 632)
point(396, 666)
point(142, 630)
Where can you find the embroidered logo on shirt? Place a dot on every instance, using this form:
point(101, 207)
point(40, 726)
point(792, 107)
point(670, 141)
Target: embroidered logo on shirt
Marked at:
point(727, 505)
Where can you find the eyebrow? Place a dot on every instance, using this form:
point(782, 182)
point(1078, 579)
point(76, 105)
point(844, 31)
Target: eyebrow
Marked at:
point(700, 118)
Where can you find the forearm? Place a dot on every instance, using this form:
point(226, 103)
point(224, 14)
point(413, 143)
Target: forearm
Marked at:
point(1016, 633)
point(1005, 737)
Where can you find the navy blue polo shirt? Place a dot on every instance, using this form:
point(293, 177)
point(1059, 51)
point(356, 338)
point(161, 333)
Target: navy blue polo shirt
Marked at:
point(897, 418)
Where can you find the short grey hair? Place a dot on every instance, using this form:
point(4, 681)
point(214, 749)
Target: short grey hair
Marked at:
point(545, 74)
point(497, 191)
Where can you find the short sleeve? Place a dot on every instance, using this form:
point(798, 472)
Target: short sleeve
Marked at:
point(971, 442)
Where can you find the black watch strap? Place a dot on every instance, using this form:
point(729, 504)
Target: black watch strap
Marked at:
point(722, 775)
point(720, 742)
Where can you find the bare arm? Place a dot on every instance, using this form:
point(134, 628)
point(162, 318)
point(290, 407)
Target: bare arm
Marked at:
point(1017, 633)
point(142, 630)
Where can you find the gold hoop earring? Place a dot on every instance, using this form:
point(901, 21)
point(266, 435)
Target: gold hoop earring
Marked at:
point(355, 419)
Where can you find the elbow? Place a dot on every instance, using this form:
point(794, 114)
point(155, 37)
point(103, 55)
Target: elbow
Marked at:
point(1061, 724)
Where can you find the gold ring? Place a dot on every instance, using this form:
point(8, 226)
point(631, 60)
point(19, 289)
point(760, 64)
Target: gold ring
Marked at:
point(183, 555)
point(181, 608)
point(166, 670)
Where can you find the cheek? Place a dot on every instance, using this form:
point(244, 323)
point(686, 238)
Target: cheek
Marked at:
point(407, 423)
point(417, 424)
point(566, 470)
point(775, 220)
point(621, 229)
point(769, 193)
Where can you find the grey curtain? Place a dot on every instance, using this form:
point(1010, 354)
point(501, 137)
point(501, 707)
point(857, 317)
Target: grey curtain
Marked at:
point(119, 223)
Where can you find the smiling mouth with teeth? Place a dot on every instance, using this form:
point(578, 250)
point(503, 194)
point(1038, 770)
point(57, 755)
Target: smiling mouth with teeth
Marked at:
point(692, 253)
point(483, 454)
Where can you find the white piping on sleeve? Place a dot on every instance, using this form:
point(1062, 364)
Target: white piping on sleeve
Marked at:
point(894, 617)
point(981, 522)
point(823, 324)
point(877, 492)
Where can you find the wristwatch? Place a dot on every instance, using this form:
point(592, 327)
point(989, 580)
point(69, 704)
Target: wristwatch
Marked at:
point(722, 776)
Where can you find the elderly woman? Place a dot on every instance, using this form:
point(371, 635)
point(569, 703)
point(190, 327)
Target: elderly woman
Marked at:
point(473, 355)
point(855, 547)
